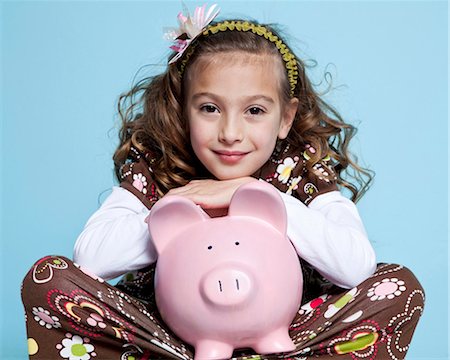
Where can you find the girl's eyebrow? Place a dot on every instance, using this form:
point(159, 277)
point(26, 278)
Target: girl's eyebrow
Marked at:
point(246, 98)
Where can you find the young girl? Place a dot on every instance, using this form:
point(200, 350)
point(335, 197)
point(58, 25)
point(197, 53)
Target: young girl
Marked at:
point(233, 106)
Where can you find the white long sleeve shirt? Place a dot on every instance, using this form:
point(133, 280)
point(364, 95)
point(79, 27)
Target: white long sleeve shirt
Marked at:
point(328, 233)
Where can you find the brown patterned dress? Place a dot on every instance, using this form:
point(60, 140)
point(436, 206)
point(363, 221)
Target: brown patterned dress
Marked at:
point(73, 314)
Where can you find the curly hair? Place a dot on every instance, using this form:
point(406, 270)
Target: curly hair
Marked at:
point(153, 119)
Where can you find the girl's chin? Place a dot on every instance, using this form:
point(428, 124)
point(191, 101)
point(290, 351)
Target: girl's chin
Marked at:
point(231, 175)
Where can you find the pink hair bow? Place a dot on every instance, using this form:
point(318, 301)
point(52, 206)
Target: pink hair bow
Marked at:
point(189, 28)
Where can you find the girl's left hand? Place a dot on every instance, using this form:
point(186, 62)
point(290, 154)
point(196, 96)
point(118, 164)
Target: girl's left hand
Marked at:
point(211, 194)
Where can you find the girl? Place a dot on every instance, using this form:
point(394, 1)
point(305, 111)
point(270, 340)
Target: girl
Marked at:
point(233, 106)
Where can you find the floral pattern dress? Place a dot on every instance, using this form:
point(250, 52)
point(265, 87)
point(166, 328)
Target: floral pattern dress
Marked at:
point(73, 314)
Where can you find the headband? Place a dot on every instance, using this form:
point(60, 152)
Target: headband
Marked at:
point(199, 25)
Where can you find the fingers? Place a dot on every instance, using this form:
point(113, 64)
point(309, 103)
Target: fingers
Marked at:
point(209, 194)
point(196, 186)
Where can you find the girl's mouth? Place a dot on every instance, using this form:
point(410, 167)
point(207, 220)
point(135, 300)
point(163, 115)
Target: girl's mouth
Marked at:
point(230, 157)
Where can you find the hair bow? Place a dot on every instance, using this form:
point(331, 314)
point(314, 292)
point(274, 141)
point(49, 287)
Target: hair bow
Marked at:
point(189, 28)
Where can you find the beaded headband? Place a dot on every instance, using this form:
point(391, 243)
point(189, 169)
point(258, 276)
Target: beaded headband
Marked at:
point(198, 25)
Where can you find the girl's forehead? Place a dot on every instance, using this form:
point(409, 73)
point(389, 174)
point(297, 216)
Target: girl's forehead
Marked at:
point(233, 78)
point(240, 58)
point(212, 64)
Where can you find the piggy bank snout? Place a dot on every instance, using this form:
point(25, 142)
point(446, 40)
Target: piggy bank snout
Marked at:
point(227, 286)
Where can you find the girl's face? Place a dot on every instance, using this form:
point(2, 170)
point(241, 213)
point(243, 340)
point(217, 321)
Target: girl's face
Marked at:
point(235, 113)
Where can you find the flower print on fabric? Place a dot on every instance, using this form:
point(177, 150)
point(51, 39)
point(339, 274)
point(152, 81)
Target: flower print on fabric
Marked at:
point(310, 190)
point(136, 177)
point(355, 316)
point(362, 344)
point(284, 170)
point(33, 346)
point(312, 305)
point(132, 352)
point(333, 309)
point(398, 341)
point(386, 289)
point(310, 149)
point(43, 269)
point(44, 319)
point(290, 170)
point(323, 173)
point(74, 347)
point(293, 185)
point(309, 312)
point(88, 316)
point(96, 320)
point(140, 183)
point(322, 169)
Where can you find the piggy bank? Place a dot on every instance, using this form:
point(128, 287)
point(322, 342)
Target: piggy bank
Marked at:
point(227, 282)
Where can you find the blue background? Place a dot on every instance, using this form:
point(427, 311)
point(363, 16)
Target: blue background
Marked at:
point(65, 63)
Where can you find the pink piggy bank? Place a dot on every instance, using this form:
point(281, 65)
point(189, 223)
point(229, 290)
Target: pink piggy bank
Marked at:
point(227, 282)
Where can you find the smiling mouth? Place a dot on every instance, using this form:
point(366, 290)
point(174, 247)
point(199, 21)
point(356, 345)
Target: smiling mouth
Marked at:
point(230, 156)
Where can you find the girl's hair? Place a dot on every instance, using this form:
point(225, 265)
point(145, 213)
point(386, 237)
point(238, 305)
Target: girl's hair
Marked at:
point(153, 119)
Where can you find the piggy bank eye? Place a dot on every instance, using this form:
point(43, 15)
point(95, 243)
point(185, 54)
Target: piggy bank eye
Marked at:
point(236, 243)
point(209, 247)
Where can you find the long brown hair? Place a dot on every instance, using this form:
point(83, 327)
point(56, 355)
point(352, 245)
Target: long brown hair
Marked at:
point(153, 119)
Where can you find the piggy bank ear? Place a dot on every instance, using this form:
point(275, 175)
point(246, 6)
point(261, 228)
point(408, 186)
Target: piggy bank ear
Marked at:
point(170, 216)
point(260, 200)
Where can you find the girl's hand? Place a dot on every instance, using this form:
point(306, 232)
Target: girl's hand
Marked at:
point(211, 194)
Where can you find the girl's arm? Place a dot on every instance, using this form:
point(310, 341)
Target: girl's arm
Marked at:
point(328, 233)
point(115, 239)
point(330, 236)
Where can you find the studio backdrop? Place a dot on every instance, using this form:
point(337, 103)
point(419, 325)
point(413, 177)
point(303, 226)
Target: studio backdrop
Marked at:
point(65, 63)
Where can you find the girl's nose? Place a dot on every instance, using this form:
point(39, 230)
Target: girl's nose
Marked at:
point(231, 130)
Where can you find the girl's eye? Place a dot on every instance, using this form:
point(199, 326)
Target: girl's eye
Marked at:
point(208, 108)
point(255, 110)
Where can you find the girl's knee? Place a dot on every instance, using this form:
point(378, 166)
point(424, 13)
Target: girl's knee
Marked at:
point(411, 279)
point(401, 275)
point(46, 271)
point(399, 284)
